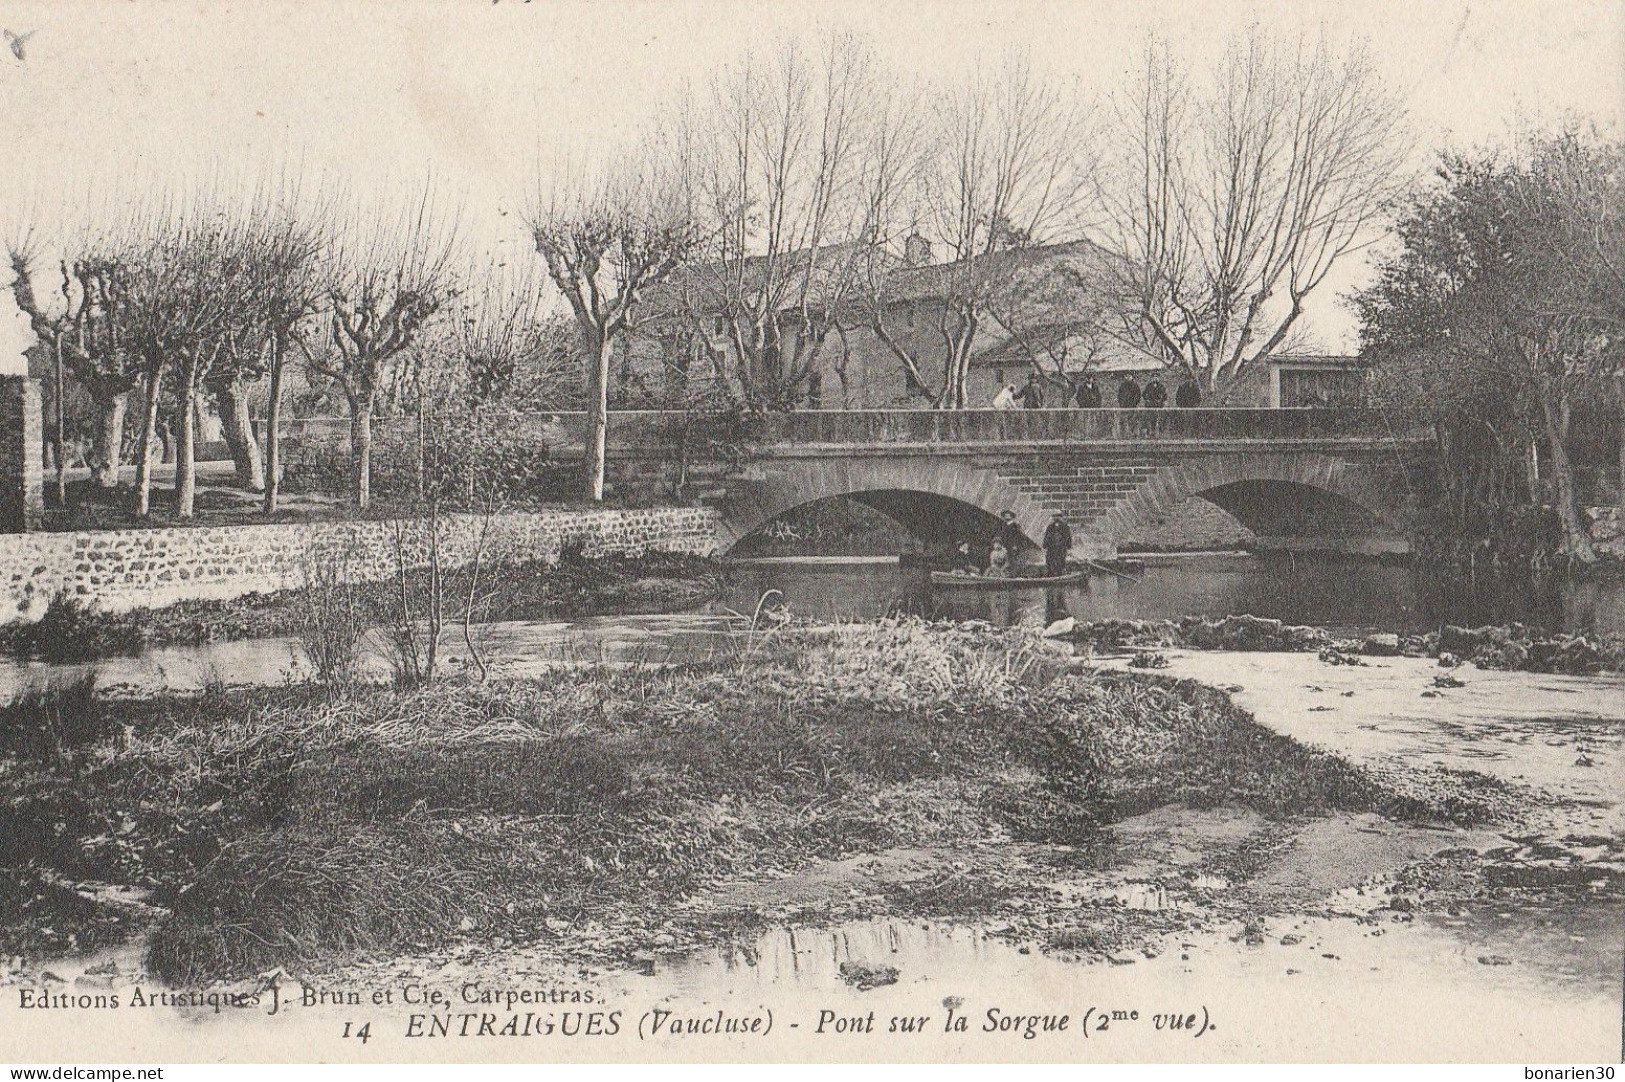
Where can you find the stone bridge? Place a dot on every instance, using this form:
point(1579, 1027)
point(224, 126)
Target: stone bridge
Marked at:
point(1298, 478)
point(1326, 478)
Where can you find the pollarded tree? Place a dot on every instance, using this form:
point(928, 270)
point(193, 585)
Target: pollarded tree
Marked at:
point(265, 273)
point(187, 282)
point(511, 350)
point(385, 282)
point(280, 241)
point(291, 263)
point(605, 245)
point(83, 317)
point(1233, 198)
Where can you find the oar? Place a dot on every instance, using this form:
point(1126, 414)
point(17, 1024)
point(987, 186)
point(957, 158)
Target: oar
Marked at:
point(1111, 571)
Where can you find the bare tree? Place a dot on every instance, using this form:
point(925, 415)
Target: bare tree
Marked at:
point(292, 299)
point(777, 164)
point(188, 284)
point(1055, 315)
point(216, 300)
point(605, 244)
point(508, 345)
point(385, 280)
point(1004, 173)
point(1236, 197)
point(85, 319)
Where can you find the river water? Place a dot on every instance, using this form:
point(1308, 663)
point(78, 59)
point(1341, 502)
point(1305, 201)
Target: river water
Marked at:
point(1349, 595)
point(1343, 593)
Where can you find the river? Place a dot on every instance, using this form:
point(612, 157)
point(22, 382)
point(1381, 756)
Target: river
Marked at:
point(1350, 595)
point(1343, 593)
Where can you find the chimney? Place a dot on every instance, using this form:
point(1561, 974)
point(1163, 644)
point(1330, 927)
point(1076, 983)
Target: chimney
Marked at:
point(916, 250)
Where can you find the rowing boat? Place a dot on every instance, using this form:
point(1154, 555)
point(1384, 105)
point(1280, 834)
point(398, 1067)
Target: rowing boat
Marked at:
point(965, 581)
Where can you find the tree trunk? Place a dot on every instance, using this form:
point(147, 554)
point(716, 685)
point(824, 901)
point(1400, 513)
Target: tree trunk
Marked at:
point(59, 436)
point(1568, 504)
point(273, 434)
point(361, 450)
point(595, 439)
point(1619, 493)
point(186, 455)
point(107, 445)
point(237, 426)
point(149, 431)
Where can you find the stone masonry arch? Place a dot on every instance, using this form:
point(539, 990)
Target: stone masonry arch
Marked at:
point(1373, 490)
point(791, 483)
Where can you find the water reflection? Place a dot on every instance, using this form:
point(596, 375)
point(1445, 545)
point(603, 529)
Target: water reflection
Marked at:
point(1346, 594)
point(1325, 590)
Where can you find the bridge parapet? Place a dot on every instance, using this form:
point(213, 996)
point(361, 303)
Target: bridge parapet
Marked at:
point(656, 431)
point(1051, 426)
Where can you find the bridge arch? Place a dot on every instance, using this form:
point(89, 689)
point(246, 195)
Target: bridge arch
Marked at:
point(1263, 491)
point(874, 480)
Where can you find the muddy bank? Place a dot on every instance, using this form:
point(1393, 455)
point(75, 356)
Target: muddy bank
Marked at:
point(307, 826)
point(898, 830)
point(1282, 863)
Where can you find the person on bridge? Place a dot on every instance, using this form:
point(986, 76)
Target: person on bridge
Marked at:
point(1057, 543)
point(1031, 394)
point(1088, 395)
point(1006, 398)
point(1155, 397)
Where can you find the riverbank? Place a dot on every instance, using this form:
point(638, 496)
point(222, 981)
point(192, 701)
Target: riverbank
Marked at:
point(651, 582)
point(1514, 648)
point(627, 810)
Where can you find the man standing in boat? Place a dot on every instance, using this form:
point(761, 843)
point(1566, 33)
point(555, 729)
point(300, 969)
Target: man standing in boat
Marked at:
point(1009, 534)
point(1057, 543)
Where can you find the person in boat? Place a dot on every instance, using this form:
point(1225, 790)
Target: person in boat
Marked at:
point(1057, 543)
point(998, 561)
point(1009, 533)
point(964, 560)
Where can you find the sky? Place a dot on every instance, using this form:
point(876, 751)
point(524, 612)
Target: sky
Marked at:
point(117, 97)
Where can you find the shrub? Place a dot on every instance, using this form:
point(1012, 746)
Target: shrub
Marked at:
point(71, 630)
point(331, 616)
point(57, 716)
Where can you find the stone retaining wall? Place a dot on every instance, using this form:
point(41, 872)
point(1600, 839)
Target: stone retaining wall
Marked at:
point(117, 570)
